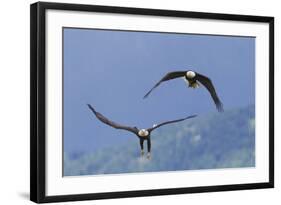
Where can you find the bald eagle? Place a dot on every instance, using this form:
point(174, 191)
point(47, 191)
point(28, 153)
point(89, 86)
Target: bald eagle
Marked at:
point(142, 134)
point(193, 79)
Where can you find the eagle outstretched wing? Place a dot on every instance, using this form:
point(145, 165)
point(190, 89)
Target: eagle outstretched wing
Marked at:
point(169, 122)
point(111, 123)
point(210, 87)
point(168, 76)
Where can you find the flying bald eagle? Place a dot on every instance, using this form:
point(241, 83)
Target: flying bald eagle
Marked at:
point(142, 134)
point(193, 79)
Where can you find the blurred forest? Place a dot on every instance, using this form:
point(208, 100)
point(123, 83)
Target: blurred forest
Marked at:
point(217, 140)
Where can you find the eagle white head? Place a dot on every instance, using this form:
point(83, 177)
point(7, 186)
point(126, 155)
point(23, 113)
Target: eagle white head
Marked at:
point(190, 74)
point(143, 133)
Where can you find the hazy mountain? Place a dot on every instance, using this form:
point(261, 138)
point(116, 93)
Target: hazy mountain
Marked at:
point(217, 140)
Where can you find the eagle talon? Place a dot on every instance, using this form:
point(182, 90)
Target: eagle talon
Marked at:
point(148, 156)
point(142, 153)
point(194, 85)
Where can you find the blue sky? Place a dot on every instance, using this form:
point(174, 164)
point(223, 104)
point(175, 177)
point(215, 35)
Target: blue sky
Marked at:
point(112, 70)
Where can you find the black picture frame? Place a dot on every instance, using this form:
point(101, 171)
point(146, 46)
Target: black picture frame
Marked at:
point(38, 101)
